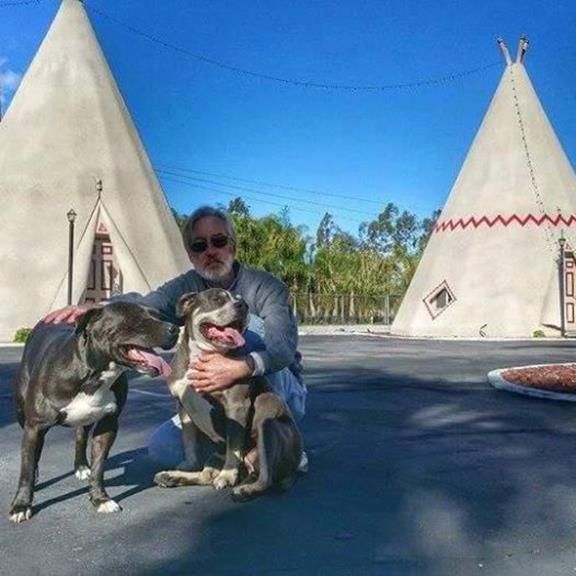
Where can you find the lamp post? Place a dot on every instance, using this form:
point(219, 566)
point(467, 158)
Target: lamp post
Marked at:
point(562, 244)
point(71, 215)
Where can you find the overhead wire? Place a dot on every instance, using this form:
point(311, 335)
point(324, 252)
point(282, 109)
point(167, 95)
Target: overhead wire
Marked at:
point(381, 203)
point(254, 191)
point(164, 178)
point(268, 184)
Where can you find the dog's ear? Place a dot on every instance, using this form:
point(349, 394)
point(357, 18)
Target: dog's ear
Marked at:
point(186, 304)
point(85, 319)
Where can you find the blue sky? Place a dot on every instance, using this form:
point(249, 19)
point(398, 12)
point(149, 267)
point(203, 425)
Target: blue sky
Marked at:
point(349, 152)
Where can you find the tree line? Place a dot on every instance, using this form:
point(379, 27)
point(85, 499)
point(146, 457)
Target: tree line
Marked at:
point(334, 276)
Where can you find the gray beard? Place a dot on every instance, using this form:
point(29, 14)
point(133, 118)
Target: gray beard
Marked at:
point(218, 275)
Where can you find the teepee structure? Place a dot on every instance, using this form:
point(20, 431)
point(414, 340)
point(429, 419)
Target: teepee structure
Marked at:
point(499, 262)
point(67, 143)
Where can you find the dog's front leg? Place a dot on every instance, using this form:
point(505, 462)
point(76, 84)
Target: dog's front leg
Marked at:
point(102, 440)
point(235, 441)
point(32, 443)
point(81, 466)
point(190, 442)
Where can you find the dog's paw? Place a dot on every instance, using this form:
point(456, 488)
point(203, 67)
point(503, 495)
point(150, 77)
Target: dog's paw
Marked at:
point(20, 513)
point(225, 478)
point(240, 494)
point(108, 507)
point(165, 480)
point(249, 490)
point(82, 473)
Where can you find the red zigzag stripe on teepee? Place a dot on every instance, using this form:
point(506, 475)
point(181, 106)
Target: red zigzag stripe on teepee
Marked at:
point(499, 220)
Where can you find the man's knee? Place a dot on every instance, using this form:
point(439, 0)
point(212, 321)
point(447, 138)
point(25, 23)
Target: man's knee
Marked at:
point(165, 445)
point(291, 390)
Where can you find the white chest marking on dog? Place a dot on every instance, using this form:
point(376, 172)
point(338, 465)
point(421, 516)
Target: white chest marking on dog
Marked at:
point(89, 408)
point(178, 387)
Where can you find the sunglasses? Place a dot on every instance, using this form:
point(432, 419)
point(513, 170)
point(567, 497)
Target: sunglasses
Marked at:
point(216, 241)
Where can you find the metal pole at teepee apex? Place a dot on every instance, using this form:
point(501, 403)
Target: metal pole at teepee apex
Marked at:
point(71, 215)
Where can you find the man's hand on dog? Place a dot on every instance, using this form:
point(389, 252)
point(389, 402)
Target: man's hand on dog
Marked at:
point(68, 314)
point(213, 372)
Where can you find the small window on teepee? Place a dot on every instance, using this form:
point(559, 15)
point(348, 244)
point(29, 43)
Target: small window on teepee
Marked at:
point(439, 299)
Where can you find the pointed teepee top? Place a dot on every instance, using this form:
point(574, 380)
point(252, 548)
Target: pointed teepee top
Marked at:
point(520, 54)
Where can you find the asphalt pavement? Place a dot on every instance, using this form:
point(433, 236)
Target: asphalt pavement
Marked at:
point(417, 467)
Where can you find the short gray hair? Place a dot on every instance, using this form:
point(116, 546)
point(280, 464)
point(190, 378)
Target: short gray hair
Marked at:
point(206, 212)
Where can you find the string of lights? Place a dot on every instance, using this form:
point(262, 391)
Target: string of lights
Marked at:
point(19, 3)
point(445, 79)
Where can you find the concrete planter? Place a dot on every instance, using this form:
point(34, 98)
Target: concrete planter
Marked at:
point(497, 381)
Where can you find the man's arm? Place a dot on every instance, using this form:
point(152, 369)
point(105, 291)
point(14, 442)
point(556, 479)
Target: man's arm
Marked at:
point(280, 329)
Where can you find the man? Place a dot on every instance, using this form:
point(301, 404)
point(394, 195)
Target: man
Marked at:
point(210, 241)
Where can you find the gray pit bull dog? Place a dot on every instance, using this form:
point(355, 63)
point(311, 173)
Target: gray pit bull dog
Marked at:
point(260, 435)
point(75, 376)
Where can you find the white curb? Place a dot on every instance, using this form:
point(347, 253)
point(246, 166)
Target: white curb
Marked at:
point(495, 379)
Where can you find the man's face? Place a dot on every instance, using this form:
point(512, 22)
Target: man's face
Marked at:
point(215, 262)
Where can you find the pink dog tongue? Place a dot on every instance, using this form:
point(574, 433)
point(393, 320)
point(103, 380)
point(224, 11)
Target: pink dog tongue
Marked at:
point(157, 362)
point(228, 336)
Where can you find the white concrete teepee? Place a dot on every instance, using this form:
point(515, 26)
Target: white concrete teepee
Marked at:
point(492, 266)
point(67, 142)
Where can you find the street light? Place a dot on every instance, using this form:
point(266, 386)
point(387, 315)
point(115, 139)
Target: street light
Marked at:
point(562, 244)
point(71, 215)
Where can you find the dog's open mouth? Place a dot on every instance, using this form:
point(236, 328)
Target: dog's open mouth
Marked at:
point(147, 361)
point(229, 336)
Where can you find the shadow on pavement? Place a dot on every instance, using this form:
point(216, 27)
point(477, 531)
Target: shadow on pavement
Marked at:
point(136, 473)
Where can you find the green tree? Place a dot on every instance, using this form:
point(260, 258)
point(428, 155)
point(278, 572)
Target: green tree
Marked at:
point(334, 275)
point(238, 207)
point(378, 234)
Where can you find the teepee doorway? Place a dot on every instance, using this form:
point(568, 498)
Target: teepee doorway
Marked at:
point(569, 291)
point(104, 277)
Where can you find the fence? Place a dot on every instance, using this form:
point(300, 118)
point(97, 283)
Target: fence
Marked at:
point(312, 308)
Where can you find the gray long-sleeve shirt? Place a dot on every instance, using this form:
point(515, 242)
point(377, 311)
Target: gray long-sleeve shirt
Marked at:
point(267, 298)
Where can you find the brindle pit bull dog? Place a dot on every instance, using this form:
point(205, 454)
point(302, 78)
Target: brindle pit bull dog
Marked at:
point(259, 431)
point(75, 376)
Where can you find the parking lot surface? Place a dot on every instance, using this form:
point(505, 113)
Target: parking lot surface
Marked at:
point(417, 467)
